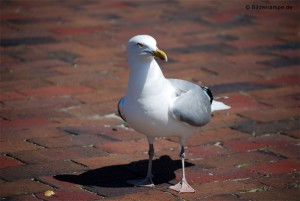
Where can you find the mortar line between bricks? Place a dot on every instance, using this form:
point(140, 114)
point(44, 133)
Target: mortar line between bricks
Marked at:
point(37, 144)
point(17, 159)
point(34, 195)
point(102, 196)
point(73, 161)
point(291, 136)
point(84, 189)
point(46, 183)
point(169, 193)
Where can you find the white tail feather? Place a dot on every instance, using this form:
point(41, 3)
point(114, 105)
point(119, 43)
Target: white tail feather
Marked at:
point(217, 105)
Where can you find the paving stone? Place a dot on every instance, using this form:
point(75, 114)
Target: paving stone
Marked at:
point(11, 96)
point(70, 195)
point(6, 161)
point(287, 181)
point(238, 160)
point(222, 198)
point(279, 167)
point(272, 114)
point(111, 159)
point(21, 187)
point(76, 30)
point(213, 136)
point(48, 92)
point(68, 141)
point(204, 151)
point(281, 62)
point(23, 123)
point(35, 132)
point(13, 146)
point(284, 194)
point(236, 87)
point(257, 128)
point(241, 102)
point(217, 188)
point(127, 147)
point(276, 92)
point(147, 196)
point(243, 145)
point(41, 169)
point(26, 41)
point(215, 175)
point(57, 154)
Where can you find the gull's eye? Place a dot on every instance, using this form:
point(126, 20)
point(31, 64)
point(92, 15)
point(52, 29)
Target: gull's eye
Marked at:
point(139, 45)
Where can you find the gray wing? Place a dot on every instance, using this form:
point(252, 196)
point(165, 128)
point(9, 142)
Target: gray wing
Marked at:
point(191, 105)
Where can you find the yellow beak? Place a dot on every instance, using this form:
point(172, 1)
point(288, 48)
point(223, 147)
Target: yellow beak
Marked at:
point(160, 54)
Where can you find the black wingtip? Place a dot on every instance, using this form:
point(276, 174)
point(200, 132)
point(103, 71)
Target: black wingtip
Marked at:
point(209, 93)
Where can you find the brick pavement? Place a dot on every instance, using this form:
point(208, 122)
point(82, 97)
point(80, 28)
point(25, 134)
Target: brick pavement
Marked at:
point(63, 69)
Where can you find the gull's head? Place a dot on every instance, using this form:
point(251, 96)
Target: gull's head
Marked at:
point(143, 47)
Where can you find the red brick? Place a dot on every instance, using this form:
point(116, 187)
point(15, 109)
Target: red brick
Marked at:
point(275, 140)
point(294, 133)
point(219, 135)
point(8, 162)
point(222, 119)
point(58, 154)
point(47, 92)
point(243, 145)
point(284, 80)
point(281, 181)
point(34, 132)
point(46, 104)
point(236, 160)
point(279, 167)
point(23, 84)
point(290, 101)
point(213, 175)
point(217, 188)
point(241, 103)
point(22, 187)
point(275, 92)
point(4, 96)
point(111, 159)
point(288, 150)
point(69, 140)
point(76, 30)
point(94, 110)
point(30, 197)
point(37, 170)
point(255, 42)
point(282, 194)
point(222, 198)
point(128, 147)
point(92, 122)
point(97, 97)
point(273, 114)
point(70, 195)
point(205, 151)
point(14, 146)
point(145, 196)
point(278, 76)
point(123, 134)
point(23, 123)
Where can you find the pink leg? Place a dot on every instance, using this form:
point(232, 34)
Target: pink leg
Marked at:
point(183, 186)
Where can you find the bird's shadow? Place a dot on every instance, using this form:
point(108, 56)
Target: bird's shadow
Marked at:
point(115, 176)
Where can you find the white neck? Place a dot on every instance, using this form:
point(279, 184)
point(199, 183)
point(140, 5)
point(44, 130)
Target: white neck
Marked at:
point(145, 78)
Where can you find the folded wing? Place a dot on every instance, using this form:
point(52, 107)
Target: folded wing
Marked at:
point(191, 104)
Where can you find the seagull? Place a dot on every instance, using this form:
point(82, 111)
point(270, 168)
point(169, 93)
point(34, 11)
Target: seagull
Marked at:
point(161, 107)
